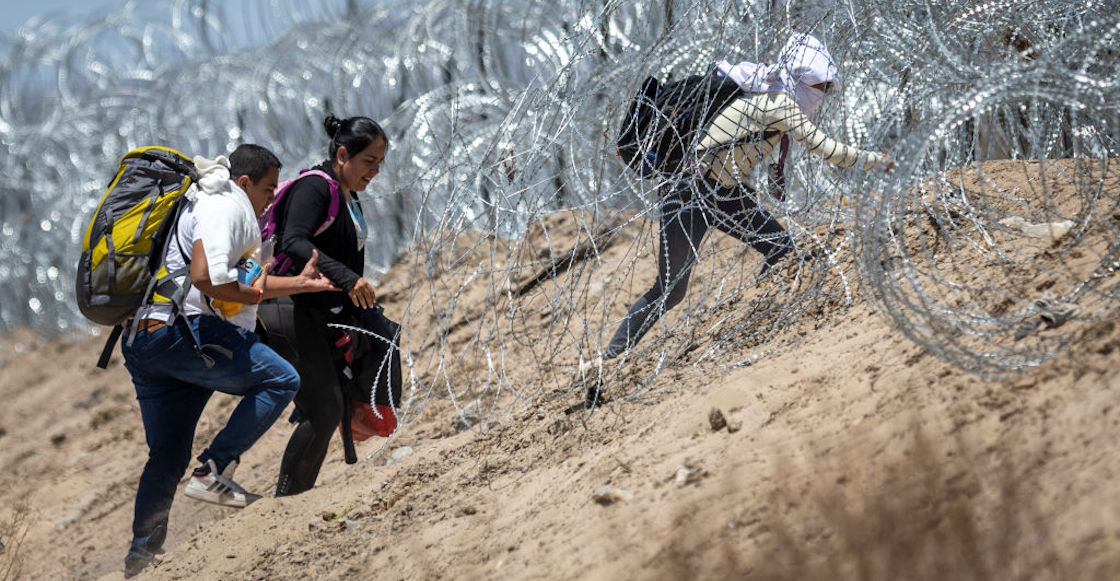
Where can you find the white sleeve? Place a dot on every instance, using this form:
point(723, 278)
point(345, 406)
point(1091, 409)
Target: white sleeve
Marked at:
point(215, 228)
point(788, 118)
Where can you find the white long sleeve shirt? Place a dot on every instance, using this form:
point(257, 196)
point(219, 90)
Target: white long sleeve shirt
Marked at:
point(728, 151)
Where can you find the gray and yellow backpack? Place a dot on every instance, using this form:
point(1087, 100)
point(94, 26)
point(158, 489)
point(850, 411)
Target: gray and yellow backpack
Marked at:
point(122, 263)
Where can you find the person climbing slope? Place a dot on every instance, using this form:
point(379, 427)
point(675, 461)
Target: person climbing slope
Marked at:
point(356, 149)
point(775, 103)
point(217, 242)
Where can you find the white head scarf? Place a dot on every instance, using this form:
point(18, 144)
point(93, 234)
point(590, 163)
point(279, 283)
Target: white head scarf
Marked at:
point(803, 62)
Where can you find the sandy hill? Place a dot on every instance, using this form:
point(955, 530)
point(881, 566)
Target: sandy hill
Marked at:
point(845, 450)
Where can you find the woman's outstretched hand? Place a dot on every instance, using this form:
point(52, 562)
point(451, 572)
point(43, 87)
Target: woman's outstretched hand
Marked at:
point(362, 294)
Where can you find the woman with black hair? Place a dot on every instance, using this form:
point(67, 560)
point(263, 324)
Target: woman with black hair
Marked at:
point(357, 148)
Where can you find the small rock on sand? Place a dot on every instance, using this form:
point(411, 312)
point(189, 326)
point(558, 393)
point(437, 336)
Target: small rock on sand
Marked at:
point(607, 494)
point(716, 420)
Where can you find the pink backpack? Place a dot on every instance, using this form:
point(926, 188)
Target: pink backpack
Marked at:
point(280, 261)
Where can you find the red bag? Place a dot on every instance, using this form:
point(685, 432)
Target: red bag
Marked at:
point(365, 422)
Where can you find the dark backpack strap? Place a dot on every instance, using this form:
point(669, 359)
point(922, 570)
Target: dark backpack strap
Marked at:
point(177, 294)
point(348, 431)
point(180, 297)
point(779, 169)
point(107, 351)
point(199, 347)
point(177, 317)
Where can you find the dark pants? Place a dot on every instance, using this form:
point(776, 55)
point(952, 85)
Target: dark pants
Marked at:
point(687, 213)
point(319, 403)
point(173, 386)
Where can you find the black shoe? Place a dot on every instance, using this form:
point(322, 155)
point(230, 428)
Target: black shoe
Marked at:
point(589, 379)
point(143, 551)
point(770, 264)
point(591, 376)
point(136, 560)
point(594, 395)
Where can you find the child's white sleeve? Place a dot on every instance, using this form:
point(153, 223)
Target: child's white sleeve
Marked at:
point(216, 230)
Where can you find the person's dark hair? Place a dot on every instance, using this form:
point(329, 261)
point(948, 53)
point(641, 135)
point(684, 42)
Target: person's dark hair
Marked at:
point(354, 133)
point(252, 160)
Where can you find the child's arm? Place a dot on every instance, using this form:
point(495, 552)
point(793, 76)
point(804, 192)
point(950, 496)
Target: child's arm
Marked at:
point(265, 287)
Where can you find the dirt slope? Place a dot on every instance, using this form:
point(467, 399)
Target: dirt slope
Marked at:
point(846, 451)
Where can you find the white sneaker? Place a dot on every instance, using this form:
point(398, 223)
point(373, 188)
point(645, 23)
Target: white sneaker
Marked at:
point(591, 366)
point(207, 485)
point(591, 378)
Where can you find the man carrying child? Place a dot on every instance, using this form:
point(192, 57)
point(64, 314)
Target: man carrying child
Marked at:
point(217, 239)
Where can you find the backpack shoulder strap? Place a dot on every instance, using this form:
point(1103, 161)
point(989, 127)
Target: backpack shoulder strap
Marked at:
point(270, 223)
point(336, 197)
point(107, 350)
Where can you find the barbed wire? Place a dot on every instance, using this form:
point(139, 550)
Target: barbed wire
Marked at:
point(519, 238)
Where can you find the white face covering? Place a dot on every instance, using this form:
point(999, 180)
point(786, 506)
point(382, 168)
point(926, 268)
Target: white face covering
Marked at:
point(752, 77)
point(803, 62)
point(809, 98)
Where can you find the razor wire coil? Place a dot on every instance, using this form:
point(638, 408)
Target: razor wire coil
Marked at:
point(519, 236)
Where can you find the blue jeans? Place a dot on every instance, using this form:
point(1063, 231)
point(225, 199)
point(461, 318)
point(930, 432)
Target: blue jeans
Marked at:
point(173, 385)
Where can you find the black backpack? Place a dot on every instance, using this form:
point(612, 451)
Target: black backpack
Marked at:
point(370, 358)
point(663, 121)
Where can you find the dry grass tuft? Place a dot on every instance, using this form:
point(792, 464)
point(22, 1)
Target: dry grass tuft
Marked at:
point(13, 531)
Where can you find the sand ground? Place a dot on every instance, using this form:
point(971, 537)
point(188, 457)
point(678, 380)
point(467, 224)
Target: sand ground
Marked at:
point(847, 451)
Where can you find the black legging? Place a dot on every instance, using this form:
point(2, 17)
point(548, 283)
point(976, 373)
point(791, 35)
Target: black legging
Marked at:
point(318, 403)
point(687, 213)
